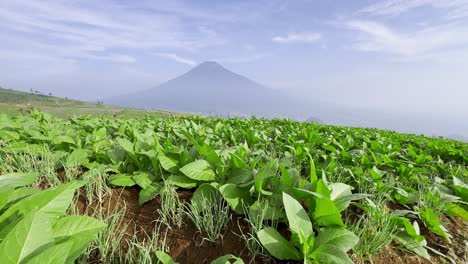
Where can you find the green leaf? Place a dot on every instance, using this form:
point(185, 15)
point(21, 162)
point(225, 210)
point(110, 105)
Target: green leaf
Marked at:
point(432, 222)
point(411, 244)
point(235, 196)
point(298, 219)
point(149, 192)
point(341, 238)
point(199, 170)
point(56, 254)
point(17, 179)
point(182, 181)
point(325, 213)
point(57, 140)
point(277, 245)
point(169, 164)
point(226, 259)
point(143, 179)
point(460, 188)
point(52, 202)
point(79, 229)
point(28, 235)
point(77, 157)
point(164, 258)
point(454, 209)
point(331, 254)
point(313, 173)
point(204, 192)
point(122, 179)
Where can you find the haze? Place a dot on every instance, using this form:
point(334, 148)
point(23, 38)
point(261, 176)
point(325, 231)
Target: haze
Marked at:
point(390, 56)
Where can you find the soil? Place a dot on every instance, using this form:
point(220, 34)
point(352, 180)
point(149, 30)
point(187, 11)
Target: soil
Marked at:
point(186, 244)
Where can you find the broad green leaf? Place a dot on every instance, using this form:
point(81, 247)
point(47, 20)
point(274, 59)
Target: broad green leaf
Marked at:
point(199, 170)
point(227, 259)
point(163, 258)
point(460, 188)
point(339, 190)
point(277, 245)
point(238, 163)
point(298, 219)
point(432, 222)
point(149, 192)
point(324, 212)
point(121, 179)
point(331, 254)
point(339, 237)
point(28, 235)
point(79, 229)
point(77, 157)
point(167, 163)
point(235, 196)
point(21, 193)
point(454, 209)
point(344, 201)
point(182, 181)
point(56, 254)
point(17, 179)
point(57, 140)
point(411, 244)
point(143, 179)
point(53, 202)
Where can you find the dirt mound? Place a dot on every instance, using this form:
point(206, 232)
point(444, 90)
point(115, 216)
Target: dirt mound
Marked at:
point(186, 244)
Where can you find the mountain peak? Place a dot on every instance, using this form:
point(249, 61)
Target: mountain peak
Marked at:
point(210, 64)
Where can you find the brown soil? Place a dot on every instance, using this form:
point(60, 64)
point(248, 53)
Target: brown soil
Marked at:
point(186, 244)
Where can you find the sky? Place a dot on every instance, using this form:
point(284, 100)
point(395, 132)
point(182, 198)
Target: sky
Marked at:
point(389, 55)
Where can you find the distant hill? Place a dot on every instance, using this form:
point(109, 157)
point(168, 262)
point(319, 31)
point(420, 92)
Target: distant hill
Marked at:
point(13, 102)
point(458, 137)
point(209, 88)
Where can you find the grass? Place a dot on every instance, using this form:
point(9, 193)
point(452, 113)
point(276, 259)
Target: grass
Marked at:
point(13, 102)
point(209, 216)
point(172, 210)
point(375, 228)
point(257, 219)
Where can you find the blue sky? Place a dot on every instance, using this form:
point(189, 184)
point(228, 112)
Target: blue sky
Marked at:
point(393, 55)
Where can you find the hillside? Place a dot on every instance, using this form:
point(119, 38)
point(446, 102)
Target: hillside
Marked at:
point(211, 89)
point(13, 102)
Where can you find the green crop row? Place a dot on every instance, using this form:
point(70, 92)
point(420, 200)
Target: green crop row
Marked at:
point(335, 187)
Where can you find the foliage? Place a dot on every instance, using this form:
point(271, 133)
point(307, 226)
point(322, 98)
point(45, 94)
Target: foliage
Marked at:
point(33, 225)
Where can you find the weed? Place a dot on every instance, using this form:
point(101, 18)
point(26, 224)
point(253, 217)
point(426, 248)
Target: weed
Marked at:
point(209, 216)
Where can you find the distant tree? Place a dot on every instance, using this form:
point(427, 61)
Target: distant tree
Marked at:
point(50, 94)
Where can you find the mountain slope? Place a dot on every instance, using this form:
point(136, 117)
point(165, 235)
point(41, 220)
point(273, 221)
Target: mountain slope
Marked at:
point(211, 89)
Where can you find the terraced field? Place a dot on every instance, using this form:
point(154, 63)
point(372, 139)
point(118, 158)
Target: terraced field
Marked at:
point(207, 190)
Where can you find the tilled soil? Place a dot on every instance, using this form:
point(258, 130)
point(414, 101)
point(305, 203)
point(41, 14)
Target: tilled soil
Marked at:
point(186, 244)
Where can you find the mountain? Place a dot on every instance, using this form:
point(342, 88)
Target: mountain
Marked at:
point(209, 88)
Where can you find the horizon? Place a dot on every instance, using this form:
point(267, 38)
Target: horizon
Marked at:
point(391, 56)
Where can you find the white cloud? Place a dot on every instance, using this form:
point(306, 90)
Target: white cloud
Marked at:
point(454, 9)
point(97, 29)
point(176, 58)
point(305, 37)
point(431, 40)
